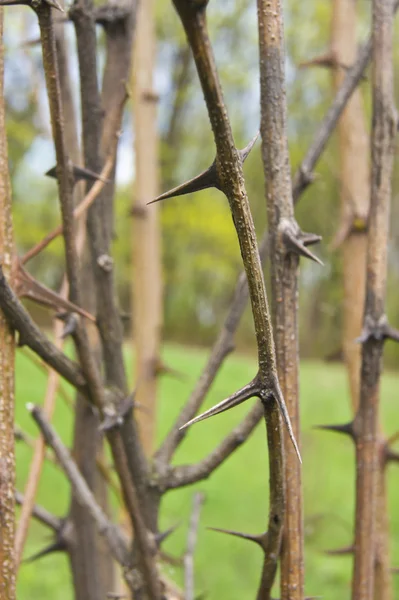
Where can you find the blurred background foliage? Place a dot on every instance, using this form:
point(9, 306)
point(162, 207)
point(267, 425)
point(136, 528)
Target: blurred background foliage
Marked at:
point(200, 251)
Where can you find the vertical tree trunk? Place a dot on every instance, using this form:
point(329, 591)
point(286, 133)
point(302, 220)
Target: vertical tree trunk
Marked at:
point(92, 569)
point(147, 285)
point(374, 324)
point(284, 235)
point(354, 153)
point(7, 458)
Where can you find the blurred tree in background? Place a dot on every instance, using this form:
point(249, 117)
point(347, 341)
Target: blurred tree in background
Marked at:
point(201, 256)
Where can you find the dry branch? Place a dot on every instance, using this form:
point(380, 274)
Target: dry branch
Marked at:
point(41, 514)
point(230, 177)
point(366, 420)
point(116, 541)
point(301, 180)
point(287, 243)
point(7, 366)
point(189, 587)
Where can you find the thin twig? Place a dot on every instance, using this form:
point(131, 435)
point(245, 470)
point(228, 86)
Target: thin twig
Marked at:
point(37, 461)
point(198, 500)
point(41, 514)
point(113, 536)
point(31, 336)
point(78, 212)
point(303, 177)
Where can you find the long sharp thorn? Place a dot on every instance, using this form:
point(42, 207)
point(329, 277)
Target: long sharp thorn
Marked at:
point(78, 174)
point(257, 539)
point(204, 180)
point(54, 4)
point(28, 287)
point(248, 391)
point(245, 151)
point(57, 546)
point(286, 418)
point(298, 247)
point(163, 535)
point(346, 428)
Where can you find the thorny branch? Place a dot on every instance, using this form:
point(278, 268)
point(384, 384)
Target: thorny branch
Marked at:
point(228, 166)
point(384, 127)
point(287, 244)
point(302, 179)
point(116, 541)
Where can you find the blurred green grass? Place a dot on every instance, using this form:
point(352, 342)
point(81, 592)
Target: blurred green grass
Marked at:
point(237, 493)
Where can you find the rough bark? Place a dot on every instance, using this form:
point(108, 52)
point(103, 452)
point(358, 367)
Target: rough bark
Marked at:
point(7, 457)
point(229, 178)
point(284, 259)
point(366, 420)
point(354, 190)
point(354, 156)
point(146, 257)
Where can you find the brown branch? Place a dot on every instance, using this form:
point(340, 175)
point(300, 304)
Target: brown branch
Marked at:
point(366, 420)
point(230, 176)
point(97, 138)
point(41, 514)
point(301, 180)
point(7, 366)
point(287, 243)
point(27, 286)
point(182, 475)
point(115, 540)
point(78, 212)
point(303, 177)
point(31, 336)
point(198, 500)
point(39, 455)
point(45, 369)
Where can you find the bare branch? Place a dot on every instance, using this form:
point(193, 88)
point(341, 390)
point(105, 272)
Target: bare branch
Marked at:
point(27, 286)
point(183, 475)
point(41, 514)
point(78, 212)
point(115, 540)
point(198, 500)
point(303, 176)
point(224, 341)
point(31, 335)
point(7, 365)
point(384, 128)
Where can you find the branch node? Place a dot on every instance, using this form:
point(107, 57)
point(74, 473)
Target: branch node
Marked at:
point(296, 241)
point(105, 262)
point(206, 179)
point(378, 330)
point(114, 416)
